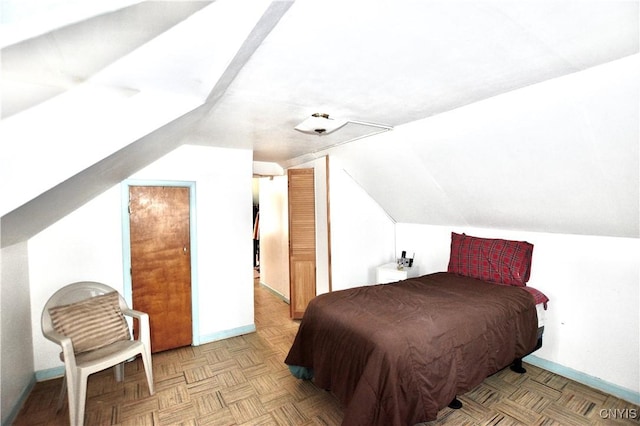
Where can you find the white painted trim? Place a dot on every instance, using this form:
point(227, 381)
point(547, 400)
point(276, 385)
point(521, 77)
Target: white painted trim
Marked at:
point(276, 293)
point(49, 373)
point(225, 334)
point(126, 246)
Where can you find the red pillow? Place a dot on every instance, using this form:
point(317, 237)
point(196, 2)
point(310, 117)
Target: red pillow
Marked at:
point(499, 261)
point(539, 296)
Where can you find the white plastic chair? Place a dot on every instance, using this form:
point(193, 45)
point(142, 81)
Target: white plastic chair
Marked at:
point(78, 367)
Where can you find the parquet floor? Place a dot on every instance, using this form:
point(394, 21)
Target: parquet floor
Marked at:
point(243, 381)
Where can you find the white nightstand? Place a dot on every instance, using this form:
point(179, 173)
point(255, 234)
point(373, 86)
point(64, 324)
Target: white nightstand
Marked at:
point(389, 272)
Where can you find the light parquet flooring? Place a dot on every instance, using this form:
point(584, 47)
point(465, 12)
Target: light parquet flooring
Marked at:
point(243, 381)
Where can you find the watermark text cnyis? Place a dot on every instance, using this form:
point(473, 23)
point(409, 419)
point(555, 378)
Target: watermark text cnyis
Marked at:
point(619, 413)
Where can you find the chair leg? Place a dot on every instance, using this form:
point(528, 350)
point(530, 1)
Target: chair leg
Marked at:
point(63, 392)
point(81, 399)
point(148, 370)
point(118, 372)
point(72, 396)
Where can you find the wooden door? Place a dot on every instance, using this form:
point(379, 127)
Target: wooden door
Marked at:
point(161, 262)
point(302, 240)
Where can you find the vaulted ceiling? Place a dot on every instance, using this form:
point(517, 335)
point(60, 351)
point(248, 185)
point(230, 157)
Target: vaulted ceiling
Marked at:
point(139, 78)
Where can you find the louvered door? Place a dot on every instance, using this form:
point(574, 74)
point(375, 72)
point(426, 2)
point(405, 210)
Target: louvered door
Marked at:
point(302, 240)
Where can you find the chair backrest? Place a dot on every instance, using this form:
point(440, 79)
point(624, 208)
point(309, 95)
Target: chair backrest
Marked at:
point(72, 293)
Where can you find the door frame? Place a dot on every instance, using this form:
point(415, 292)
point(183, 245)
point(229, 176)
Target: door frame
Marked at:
point(126, 245)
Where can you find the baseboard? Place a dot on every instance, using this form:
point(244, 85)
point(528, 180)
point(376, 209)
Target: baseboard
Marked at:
point(8, 421)
point(221, 335)
point(580, 377)
point(49, 373)
point(275, 293)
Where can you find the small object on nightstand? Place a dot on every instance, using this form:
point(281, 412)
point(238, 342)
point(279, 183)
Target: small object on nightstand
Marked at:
point(403, 260)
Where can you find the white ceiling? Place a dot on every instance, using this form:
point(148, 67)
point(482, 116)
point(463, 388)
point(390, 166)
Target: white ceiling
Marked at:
point(254, 69)
point(389, 62)
point(405, 60)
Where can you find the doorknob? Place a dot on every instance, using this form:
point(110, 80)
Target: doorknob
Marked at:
point(184, 250)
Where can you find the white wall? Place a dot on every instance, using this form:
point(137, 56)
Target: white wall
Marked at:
point(224, 233)
point(323, 255)
point(16, 345)
point(87, 244)
point(560, 156)
point(274, 235)
point(592, 324)
point(362, 234)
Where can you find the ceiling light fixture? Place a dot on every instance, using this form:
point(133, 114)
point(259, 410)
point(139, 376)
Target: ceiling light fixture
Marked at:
point(321, 124)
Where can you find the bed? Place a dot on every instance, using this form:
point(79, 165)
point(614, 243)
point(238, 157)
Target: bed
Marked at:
point(397, 353)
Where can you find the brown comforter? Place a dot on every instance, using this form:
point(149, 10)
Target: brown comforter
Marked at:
point(395, 354)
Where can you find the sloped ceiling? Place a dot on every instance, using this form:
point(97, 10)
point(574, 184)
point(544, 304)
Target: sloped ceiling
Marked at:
point(561, 156)
point(243, 74)
point(44, 66)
